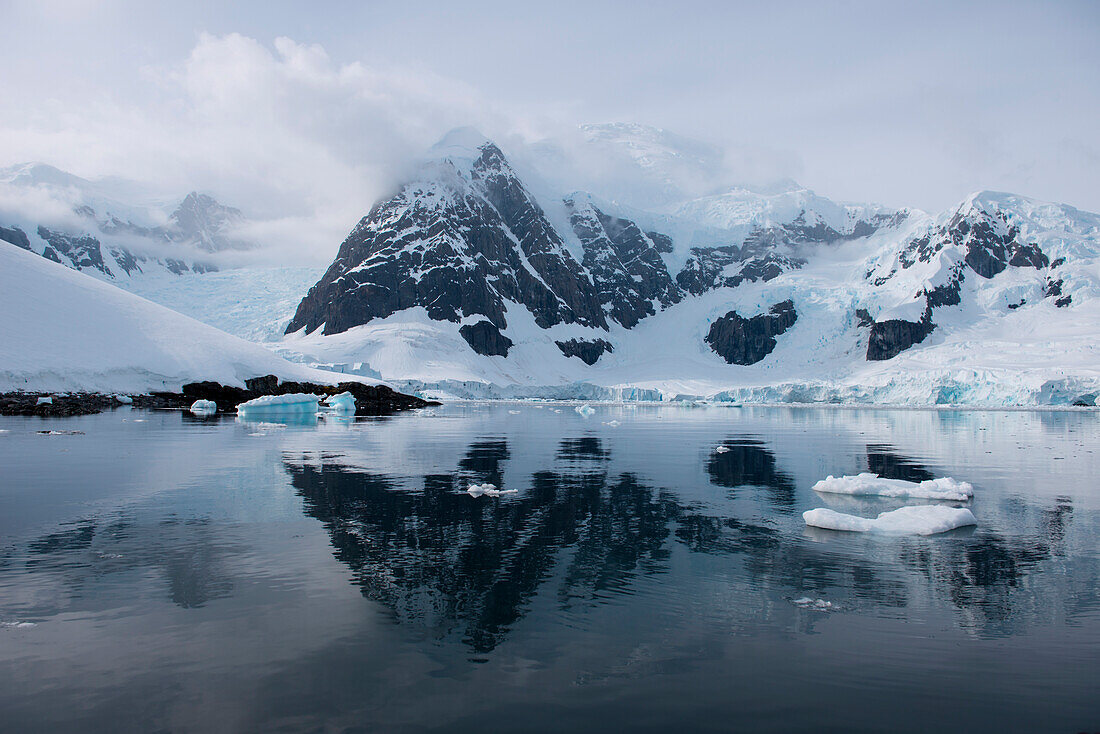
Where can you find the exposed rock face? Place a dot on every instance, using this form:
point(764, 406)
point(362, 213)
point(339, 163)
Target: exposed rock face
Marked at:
point(15, 236)
point(485, 338)
point(456, 243)
point(988, 241)
point(728, 267)
point(588, 351)
point(747, 341)
point(78, 251)
point(892, 337)
point(625, 264)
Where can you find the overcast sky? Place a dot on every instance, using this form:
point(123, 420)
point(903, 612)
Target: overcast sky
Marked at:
point(308, 108)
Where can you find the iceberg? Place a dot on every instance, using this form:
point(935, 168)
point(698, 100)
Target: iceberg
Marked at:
point(489, 490)
point(917, 520)
point(204, 407)
point(585, 410)
point(342, 403)
point(297, 404)
point(944, 488)
point(721, 449)
point(45, 401)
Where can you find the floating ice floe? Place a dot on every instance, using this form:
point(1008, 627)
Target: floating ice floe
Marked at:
point(300, 404)
point(124, 399)
point(204, 407)
point(342, 403)
point(585, 410)
point(513, 412)
point(45, 401)
point(721, 449)
point(489, 490)
point(917, 520)
point(612, 423)
point(816, 604)
point(944, 488)
point(61, 433)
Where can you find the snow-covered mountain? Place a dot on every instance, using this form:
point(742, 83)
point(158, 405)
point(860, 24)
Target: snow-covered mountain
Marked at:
point(109, 228)
point(64, 330)
point(466, 281)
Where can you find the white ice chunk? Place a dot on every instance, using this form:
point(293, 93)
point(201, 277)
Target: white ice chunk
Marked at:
point(513, 412)
point(612, 423)
point(45, 401)
point(585, 410)
point(816, 604)
point(489, 490)
point(342, 403)
point(944, 488)
point(295, 403)
point(721, 449)
point(918, 520)
point(204, 407)
point(124, 399)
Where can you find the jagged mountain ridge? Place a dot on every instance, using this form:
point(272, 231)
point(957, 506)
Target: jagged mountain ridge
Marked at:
point(467, 239)
point(804, 289)
point(106, 237)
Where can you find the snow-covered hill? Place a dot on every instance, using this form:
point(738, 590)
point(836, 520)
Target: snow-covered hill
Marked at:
point(64, 330)
point(466, 282)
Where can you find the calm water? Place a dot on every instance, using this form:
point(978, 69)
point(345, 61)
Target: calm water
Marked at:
point(159, 572)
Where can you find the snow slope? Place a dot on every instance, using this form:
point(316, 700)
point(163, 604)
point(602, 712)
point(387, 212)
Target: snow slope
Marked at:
point(63, 330)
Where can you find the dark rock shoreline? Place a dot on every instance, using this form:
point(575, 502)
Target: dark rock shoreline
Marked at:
point(369, 399)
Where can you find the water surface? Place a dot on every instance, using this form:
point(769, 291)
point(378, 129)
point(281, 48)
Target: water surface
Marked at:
point(159, 572)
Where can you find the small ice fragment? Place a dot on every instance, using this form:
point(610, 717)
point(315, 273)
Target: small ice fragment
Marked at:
point(815, 604)
point(342, 403)
point(721, 449)
point(124, 399)
point(944, 488)
point(45, 401)
point(204, 407)
point(17, 625)
point(918, 520)
point(514, 412)
point(585, 410)
point(61, 433)
point(612, 423)
point(489, 490)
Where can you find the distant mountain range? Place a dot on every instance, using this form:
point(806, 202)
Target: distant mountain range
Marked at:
point(491, 275)
point(101, 233)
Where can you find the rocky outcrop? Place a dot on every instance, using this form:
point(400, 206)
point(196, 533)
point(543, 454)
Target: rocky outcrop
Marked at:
point(15, 236)
point(625, 264)
point(747, 341)
point(485, 338)
point(369, 399)
point(892, 337)
point(588, 351)
point(728, 266)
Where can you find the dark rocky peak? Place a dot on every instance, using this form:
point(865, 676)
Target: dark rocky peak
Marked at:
point(203, 222)
point(465, 238)
point(625, 263)
point(747, 341)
